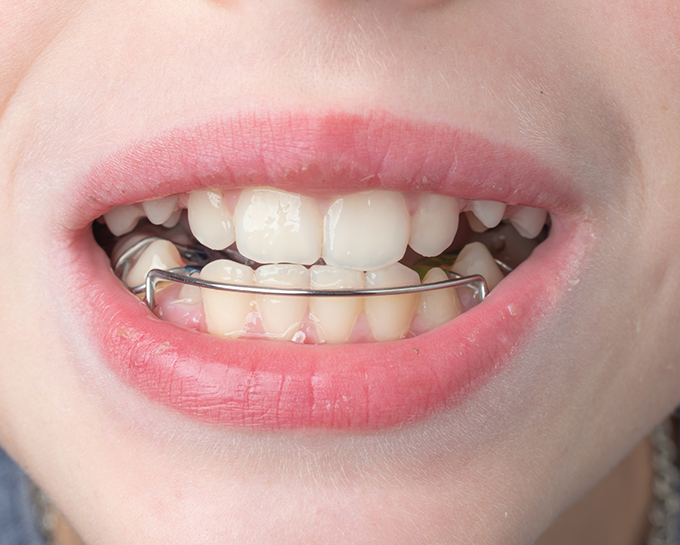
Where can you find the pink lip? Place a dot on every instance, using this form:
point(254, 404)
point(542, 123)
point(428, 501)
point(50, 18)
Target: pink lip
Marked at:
point(271, 385)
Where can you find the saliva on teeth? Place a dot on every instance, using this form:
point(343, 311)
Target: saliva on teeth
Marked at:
point(351, 242)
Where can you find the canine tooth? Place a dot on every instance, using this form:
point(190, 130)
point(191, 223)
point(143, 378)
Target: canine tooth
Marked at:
point(278, 227)
point(159, 210)
point(440, 306)
point(281, 315)
point(160, 254)
point(366, 231)
point(390, 316)
point(335, 316)
point(529, 221)
point(490, 213)
point(475, 258)
point(226, 312)
point(434, 224)
point(210, 220)
point(173, 220)
point(123, 219)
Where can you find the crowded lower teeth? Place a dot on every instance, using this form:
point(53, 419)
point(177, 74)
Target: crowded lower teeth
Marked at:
point(263, 237)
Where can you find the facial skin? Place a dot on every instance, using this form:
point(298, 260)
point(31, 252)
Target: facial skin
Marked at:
point(592, 88)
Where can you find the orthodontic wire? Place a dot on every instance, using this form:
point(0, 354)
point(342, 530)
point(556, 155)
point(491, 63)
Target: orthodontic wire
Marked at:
point(202, 256)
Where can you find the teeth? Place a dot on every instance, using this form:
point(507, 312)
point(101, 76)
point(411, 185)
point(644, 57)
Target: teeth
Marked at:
point(173, 219)
point(434, 224)
point(529, 221)
point(440, 306)
point(476, 259)
point(210, 219)
point(366, 231)
point(278, 227)
point(490, 213)
point(282, 316)
point(335, 317)
point(160, 254)
point(190, 295)
point(123, 219)
point(390, 316)
point(159, 210)
point(476, 225)
point(226, 312)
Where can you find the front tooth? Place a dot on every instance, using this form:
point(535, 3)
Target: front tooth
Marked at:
point(278, 227)
point(335, 316)
point(123, 219)
point(390, 316)
point(281, 315)
point(439, 306)
point(173, 220)
point(529, 221)
point(210, 220)
point(366, 231)
point(490, 213)
point(226, 312)
point(160, 254)
point(434, 224)
point(475, 258)
point(159, 210)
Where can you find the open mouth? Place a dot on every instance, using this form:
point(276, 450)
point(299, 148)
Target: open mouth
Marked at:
point(336, 203)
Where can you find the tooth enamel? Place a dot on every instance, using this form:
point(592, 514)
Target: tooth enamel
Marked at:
point(123, 219)
point(476, 225)
point(226, 312)
point(335, 316)
point(282, 316)
point(390, 316)
point(190, 295)
point(366, 231)
point(475, 258)
point(160, 254)
point(490, 213)
point(278, 227)
point(529, 221)
point(159, 210)
point(173, 220)
point(210, 220)
point(434, 224)
point(440, 306)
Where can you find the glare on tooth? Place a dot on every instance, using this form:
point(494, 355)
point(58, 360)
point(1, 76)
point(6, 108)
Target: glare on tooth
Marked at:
point(439, 306)
point(529, 221)
point(160, 254)
point(210, 220)
point(366, 231)
point(475, 258)
point(159, 210)
point(278, 227)
point(390, 316)
point(434, 224)
point(335, 316)
point(490, 213)
point(123, 219)
point(281, 315)
point(226, 312)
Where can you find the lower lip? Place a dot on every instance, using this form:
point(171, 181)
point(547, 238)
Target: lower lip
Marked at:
point(282, 386)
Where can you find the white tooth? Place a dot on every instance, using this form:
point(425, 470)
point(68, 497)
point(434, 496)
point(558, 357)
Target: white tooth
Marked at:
point(173, 220)
point(440, 306)
point(160, 254)
point(159, 210)
point(210, 220)
point(390, 316)
point(123, 219)
point(281, 315)
point(529, 221)
point(226, 312)
point(366, 231)
point(335, 316)
point(475, 258)
point(190, 295)
point(490, 213)
point(476, 225)
point(434, 224)
point(278, 227)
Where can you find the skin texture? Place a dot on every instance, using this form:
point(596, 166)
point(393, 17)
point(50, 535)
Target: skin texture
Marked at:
point(592, 87)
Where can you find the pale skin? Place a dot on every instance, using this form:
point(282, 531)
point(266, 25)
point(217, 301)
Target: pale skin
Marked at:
point(591, 86)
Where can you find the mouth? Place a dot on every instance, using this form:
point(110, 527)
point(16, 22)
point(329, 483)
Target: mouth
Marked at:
point(335, 203)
